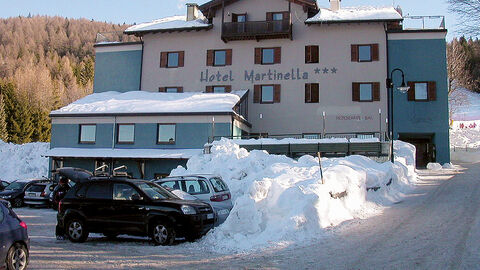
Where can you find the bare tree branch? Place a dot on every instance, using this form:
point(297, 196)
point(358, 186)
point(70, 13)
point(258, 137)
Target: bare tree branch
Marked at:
point(469, 14)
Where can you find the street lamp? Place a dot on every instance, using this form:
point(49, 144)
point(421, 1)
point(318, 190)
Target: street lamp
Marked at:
point(403, 88)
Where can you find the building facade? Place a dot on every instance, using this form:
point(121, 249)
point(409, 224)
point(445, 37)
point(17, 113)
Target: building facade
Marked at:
point(308, 72)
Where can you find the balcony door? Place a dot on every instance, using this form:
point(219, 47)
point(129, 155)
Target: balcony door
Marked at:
point(240, 20)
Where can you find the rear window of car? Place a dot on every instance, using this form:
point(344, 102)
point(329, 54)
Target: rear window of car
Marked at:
point(99, 191)
point(194, 187)
point(36, 188)
point(218, 184)
point(170, 184)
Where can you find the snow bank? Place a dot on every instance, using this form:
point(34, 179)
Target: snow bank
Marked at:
point(434, 166)
point(169, 23)
point(23, 161)
point(278, 200)
point(356, 14)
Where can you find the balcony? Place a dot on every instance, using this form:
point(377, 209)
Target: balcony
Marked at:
point(256, 30)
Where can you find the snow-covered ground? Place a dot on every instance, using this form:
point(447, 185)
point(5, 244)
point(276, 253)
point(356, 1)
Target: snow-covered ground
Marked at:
point(279, 201)
point(23, 161)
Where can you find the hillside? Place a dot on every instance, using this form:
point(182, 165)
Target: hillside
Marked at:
point(45, 63)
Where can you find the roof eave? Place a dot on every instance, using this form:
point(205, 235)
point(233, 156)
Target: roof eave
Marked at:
point(353, 21)
point(169, 30)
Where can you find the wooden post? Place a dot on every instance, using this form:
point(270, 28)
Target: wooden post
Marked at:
point(320, 165)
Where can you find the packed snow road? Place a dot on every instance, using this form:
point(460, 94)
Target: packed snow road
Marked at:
point(435, 227)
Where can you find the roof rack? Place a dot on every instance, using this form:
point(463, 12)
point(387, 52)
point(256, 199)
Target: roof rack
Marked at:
point(115, 173)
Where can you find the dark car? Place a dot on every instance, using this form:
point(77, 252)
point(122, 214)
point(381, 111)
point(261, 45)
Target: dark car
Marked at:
point(15, 192)
point(14, 241)
point(116, 205)
point(3, 184)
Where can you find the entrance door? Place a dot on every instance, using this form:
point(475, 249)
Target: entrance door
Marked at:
point(424, 145)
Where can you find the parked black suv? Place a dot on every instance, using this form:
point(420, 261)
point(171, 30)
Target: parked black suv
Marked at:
point(117, 205)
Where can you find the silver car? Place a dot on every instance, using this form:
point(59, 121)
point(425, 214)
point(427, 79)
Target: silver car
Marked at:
point(38, 194)
point(207, 188)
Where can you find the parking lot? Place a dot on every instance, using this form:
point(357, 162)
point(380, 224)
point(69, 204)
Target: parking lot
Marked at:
point(435, 227)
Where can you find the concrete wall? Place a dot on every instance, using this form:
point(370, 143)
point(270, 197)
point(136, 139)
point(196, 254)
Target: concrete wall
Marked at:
point(422, 56)
point(188, 135)
point(292, 115)
point(117, 68)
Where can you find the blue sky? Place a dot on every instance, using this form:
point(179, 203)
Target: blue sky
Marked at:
point(136, 11)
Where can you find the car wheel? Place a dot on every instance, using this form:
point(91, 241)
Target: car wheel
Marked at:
point(76, 230)
point(162, 233)
point(17, 257)
point(18, 202)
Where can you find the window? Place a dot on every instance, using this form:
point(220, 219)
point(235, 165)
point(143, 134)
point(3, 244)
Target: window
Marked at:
point(194, 187)
point(218, 184)
point(219, 89)
point(87, 133)
point(126, 133)
point(166, 133)
point(366, 92)
point(312, 92)
point(266, 93)
point(239, 17)
point(422, 91)
point(365, 53)
point(172, 59)
point(277, 16)
point(171, 184)
point(123, 192)
point(171, 89)
point(312, 54)
point(99, 191)
point(268, 56)
point(219, 58)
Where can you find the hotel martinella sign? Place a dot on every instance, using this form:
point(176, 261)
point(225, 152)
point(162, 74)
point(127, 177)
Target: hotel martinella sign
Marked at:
point(293, 74)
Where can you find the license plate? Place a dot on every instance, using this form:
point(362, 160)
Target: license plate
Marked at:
point(223, 212)
point(209, 216)
point(32, 194)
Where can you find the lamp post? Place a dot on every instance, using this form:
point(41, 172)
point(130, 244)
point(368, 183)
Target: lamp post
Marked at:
point(403, 88)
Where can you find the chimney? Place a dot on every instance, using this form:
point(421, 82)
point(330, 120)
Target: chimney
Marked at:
point(335, 5)
point(192, 11)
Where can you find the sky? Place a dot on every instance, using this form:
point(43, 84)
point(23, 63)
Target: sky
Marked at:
point(137, 11)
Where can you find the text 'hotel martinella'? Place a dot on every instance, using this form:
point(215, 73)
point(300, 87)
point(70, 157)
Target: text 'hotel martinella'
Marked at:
point(269, 68)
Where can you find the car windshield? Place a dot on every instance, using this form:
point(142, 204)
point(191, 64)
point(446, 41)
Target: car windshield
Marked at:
point(15, 186)
point(155, 192)
point(218, 184)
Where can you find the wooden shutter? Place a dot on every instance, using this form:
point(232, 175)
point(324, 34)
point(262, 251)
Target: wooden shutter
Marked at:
point(163, 59)
point(234, 17)
point(376, 91)
point(209, 89)
point(355, 92)
point(258, 56)
point(354, 49)
point(210, 57)
point(162, 89)
point(257, 92)
point(228, 60)
point(311, 54)
point(375, 52)
point(308, 54)
point(276, 93)
point(411, 91)
point(315, 54)
point(181, 59)
point(432, 91)
point(269, 16)
point(308, 91)
point(228, 88)
point(277, 55)
point(286, 16)
point(180, 89)
point(315, 92)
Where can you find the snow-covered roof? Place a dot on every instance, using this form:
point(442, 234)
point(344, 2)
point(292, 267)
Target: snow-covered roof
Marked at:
point(139, 102)
point(123, 153)
point(170, 24)
point(353, 14)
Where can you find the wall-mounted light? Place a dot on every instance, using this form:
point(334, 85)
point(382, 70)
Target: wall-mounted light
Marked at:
point(261, 116)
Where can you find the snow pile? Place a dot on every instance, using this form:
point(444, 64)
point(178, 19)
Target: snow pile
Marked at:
point(150, 102)
point(434, 166)
point(278, 200)
point(23, 161)
point(169, 23)
point(465, 105)
point(356, 14)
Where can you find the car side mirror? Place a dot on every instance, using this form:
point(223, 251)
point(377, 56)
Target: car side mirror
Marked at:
point(136, 197)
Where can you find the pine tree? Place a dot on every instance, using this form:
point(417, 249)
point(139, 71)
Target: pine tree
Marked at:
point(3, 121)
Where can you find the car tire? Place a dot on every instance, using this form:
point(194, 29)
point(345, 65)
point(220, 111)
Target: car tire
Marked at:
point(18, 202)
point(17, 257)
point(162, 233)
point(76, 230)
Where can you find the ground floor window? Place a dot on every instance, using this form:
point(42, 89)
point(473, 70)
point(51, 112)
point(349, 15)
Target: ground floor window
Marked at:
point(166, 133)
point(126, 133)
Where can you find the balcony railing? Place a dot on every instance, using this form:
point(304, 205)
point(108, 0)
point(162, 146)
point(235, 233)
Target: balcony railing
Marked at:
point(256, 30)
